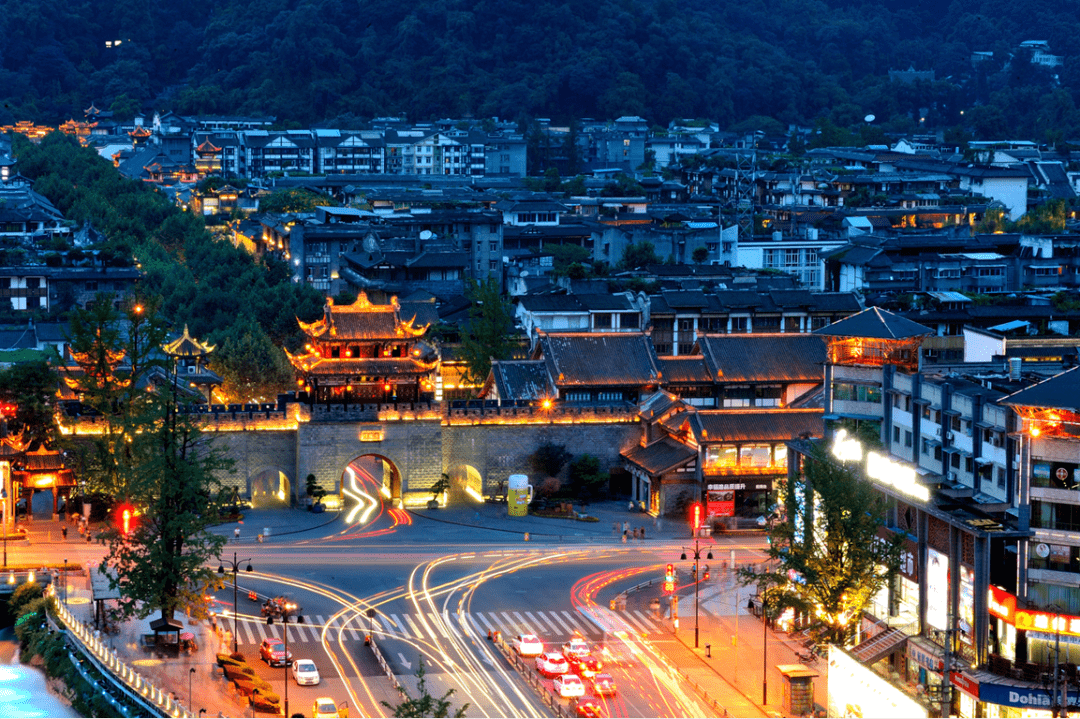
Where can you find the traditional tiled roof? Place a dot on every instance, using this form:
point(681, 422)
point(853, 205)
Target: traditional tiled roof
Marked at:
point(378, 367)
point(1061, 391)
point(749, 425)
point(521, 379)
point(875, 323)
point(361, 320)
point(187, 346)
point(42, 459)
point(599, 359)
point(765, 357)
point(656, 404)
point(661, 456)
point(684, 370)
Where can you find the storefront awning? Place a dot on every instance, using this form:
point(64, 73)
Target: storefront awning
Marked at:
point(878, 647)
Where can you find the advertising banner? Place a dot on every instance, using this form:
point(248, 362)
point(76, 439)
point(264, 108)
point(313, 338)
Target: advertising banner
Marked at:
point(721, 503)
point(856, 690)
point(937, 602)
point(1014, 696)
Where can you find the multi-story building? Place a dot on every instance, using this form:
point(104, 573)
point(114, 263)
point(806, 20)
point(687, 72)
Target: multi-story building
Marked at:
point(616, 312)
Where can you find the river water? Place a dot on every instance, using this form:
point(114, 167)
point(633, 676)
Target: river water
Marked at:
point(23, 691)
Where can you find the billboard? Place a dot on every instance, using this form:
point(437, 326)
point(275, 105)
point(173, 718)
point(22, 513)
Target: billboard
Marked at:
point(856, 690)
point(721, 503)
point(937, 601)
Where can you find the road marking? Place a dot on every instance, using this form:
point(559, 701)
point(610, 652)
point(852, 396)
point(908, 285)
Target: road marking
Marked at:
point(523, 625)
point(449, 621)
point(565, 626)
point(475, 624)
point(496, 622)
point(480, 616)
point(438, 624)
point(627, 617)
point(645, 618)
point(416, 632)
point(589, 627)
point(510, 623)
point(351, 630)
point(547, 621)
point(399, 625)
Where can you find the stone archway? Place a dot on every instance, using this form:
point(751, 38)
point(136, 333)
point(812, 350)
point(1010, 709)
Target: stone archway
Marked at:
point(270, 489)
point(466, 484)
point(373, 475)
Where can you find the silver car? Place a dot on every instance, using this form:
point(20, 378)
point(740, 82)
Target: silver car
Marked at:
point(305, 672)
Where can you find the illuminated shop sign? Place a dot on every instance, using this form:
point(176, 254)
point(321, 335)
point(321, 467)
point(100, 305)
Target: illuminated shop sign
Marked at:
point(1001, 604)
point(879, 467)
point(1047, 622)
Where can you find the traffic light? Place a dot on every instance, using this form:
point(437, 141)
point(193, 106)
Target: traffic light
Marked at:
point(125, 519)
point(669, 579)
point(706, 576)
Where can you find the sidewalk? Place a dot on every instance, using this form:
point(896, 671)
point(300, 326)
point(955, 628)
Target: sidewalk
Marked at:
point(732, 675)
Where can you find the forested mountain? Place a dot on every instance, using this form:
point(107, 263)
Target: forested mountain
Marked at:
point(307, 61)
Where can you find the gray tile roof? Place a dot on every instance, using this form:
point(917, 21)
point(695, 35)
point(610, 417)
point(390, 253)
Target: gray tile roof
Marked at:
point(875, 323)
point(1061, 391)
point(661, 456)
point(766, 357)
point(756, 425)
point(599, 359)
point(521, 379)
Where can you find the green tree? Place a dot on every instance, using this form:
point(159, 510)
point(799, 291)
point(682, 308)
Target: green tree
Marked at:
point(295, 200)
point(549, 459)
point(442, 485)
point(586, 475)
point(638, 255)
point(488, 333)
point(828, 541)
point(425, 705)
point(30, 387)
point(252, 368)
point(699, 255)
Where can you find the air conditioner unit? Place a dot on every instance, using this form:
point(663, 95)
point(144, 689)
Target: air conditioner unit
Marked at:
point(951, 476)
point(950, 436)
point(937, 432)
point(193, 369)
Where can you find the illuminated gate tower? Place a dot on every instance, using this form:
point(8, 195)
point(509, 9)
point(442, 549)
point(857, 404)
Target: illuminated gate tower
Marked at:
point(365, 352)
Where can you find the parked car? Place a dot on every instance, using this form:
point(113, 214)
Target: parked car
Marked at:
point(272, 651)
point(325, 708)
point(584, 666)
point(305, 672)
point(589, 708)
point(576, 647)
point(603, 685)
point(569, 685)
point(527, 645)
point(552, 664)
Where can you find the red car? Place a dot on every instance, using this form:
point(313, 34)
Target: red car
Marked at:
point(589, 708)
point(603, 685)
point(272, 651)
point(585, 666)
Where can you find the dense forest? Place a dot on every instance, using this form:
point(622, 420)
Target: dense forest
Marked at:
point(733, 61)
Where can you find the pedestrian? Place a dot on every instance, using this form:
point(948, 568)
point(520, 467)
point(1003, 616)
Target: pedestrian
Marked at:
point(624, 536)
point(236, 534)
point(625, 527)
point(63, 531)
point(643, 534)
point(88, 536)
point(630, 506)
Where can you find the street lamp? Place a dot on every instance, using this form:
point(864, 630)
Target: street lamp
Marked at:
point(65, 581)
point(286, 609)
point(697, 583)
point(190, 698)
point(235, 569)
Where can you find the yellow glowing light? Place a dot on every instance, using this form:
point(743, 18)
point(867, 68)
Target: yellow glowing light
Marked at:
point(1035, 431)
point(474, 494)
point(547, 404)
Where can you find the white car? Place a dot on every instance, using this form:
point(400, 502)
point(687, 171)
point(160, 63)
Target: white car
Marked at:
point(569, 685)
point(552, 664)
point(305, 672)
point(527, 645)
point(576, 647)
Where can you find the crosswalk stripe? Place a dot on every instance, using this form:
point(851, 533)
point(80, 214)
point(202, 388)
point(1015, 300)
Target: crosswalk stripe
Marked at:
point(455, 622)
point(627, 617)
point(476, 625)
point(510, 624)
point(352, 631)
point(438, 624)
point(400, 626)
point(523, 625)
point(319, 620)
point(480, 616)
point(416, 632)
point(247, 631)
point(585, 627)
point(548, 622)
point(496, 622)
point(535, 625)
point(565, 626)
point(645, 618)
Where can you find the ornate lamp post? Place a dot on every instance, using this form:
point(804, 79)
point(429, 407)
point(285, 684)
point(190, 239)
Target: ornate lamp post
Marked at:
point(235, 568)
point(697, 583)
point(286, 611)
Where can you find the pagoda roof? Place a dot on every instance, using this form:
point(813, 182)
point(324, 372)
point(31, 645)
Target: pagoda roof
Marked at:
point(187, 346)
point(42, 459)
point(362, 320)
point(140, 132)
point(207, 146)
point(875, 323)
point(378, 367)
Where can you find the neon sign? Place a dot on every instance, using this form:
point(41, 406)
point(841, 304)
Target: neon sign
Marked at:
point(880, 467)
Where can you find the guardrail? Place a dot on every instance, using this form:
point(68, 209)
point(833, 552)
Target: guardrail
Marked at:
point(386, 668)
point(152, 699)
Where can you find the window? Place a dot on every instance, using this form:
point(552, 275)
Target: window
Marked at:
point(791, 258)
point(91, 285)
point(610, 396)
point(628, 320)
point(1051, 515)
point(493, 246)
point(896, 434)
point(602, 321)
point(578, 396)
point(724, 456)
point(740, 324)
point(755, 455)
point(1001, 476)
point(907, 438)
point(493, 265)
point(738, 396)
point(769, 396)
point(846, 392)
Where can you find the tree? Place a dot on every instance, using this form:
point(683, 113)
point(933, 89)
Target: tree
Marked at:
point(699, 255)
point(150, 457)
point(252, 368)
point(549, 458)
point(425, 705)
point(443, 485)
point(295, 200)
point(586, 475)
point(313, 489)
point(830, 547)
point(638, 255)
point(488, 333)
point(29, 386)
